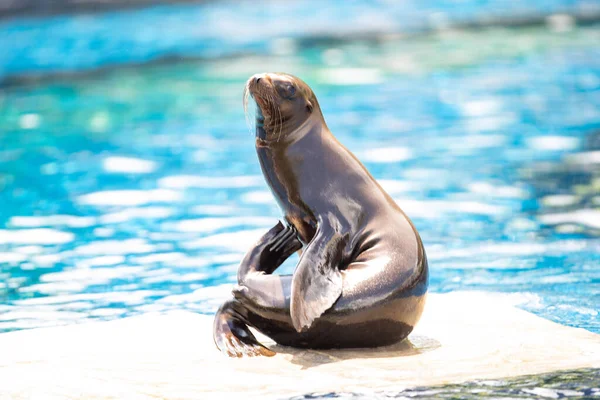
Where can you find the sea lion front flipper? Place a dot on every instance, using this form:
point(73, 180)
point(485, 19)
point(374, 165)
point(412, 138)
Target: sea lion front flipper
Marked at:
point(317, 281)
point(271, 250)
point(284, 238)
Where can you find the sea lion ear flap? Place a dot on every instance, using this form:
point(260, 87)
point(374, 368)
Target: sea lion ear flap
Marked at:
point(317, 281)
point(309, 107)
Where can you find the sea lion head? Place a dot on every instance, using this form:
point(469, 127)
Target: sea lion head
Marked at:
point(284, 103)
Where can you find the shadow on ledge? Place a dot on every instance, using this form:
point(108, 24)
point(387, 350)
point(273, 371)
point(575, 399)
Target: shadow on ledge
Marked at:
point(414, 345)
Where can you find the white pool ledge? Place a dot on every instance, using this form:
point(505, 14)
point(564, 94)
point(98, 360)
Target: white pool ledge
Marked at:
point(461, 337)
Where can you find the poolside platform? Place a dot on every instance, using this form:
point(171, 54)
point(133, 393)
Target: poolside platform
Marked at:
point(462, 336)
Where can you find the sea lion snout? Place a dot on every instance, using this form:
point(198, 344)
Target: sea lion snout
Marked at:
point(258, 79)
point(273, 80)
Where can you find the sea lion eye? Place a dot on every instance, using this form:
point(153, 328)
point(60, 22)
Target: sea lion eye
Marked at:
point(286, 90)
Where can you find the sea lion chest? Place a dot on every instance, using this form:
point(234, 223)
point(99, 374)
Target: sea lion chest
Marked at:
point(282, 167)
point(315, 178)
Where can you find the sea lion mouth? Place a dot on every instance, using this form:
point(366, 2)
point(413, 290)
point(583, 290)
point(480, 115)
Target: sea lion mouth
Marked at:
point(260, 89)
point(260, 118)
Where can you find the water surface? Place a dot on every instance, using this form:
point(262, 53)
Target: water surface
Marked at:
point(134, 190)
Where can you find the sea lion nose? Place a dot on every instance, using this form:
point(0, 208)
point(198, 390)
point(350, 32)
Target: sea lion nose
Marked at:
point(257, 78)
point(260, 78)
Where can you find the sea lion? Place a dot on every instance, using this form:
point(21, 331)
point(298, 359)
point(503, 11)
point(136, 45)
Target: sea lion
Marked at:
point(362, 277)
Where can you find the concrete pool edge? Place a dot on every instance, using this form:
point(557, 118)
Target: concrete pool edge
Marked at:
point(462, 336)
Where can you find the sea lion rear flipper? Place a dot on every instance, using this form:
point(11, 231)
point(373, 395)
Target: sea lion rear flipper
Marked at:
point(317, 281)
point(232, 335)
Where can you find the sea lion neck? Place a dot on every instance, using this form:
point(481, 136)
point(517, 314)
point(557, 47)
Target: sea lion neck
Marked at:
point(311, 126)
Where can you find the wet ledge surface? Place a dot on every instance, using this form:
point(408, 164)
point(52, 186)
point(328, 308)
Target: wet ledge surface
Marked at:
point(461, 337)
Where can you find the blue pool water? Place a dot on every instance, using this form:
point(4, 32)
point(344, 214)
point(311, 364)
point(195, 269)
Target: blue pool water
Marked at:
point(214, 29)
point(580, 384)
point(137, 189)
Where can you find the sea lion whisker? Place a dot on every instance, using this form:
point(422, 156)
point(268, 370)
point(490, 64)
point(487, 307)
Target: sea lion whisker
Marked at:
point(279, 124)
point(272, 110)
point(281, 120)
point(250, 122)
